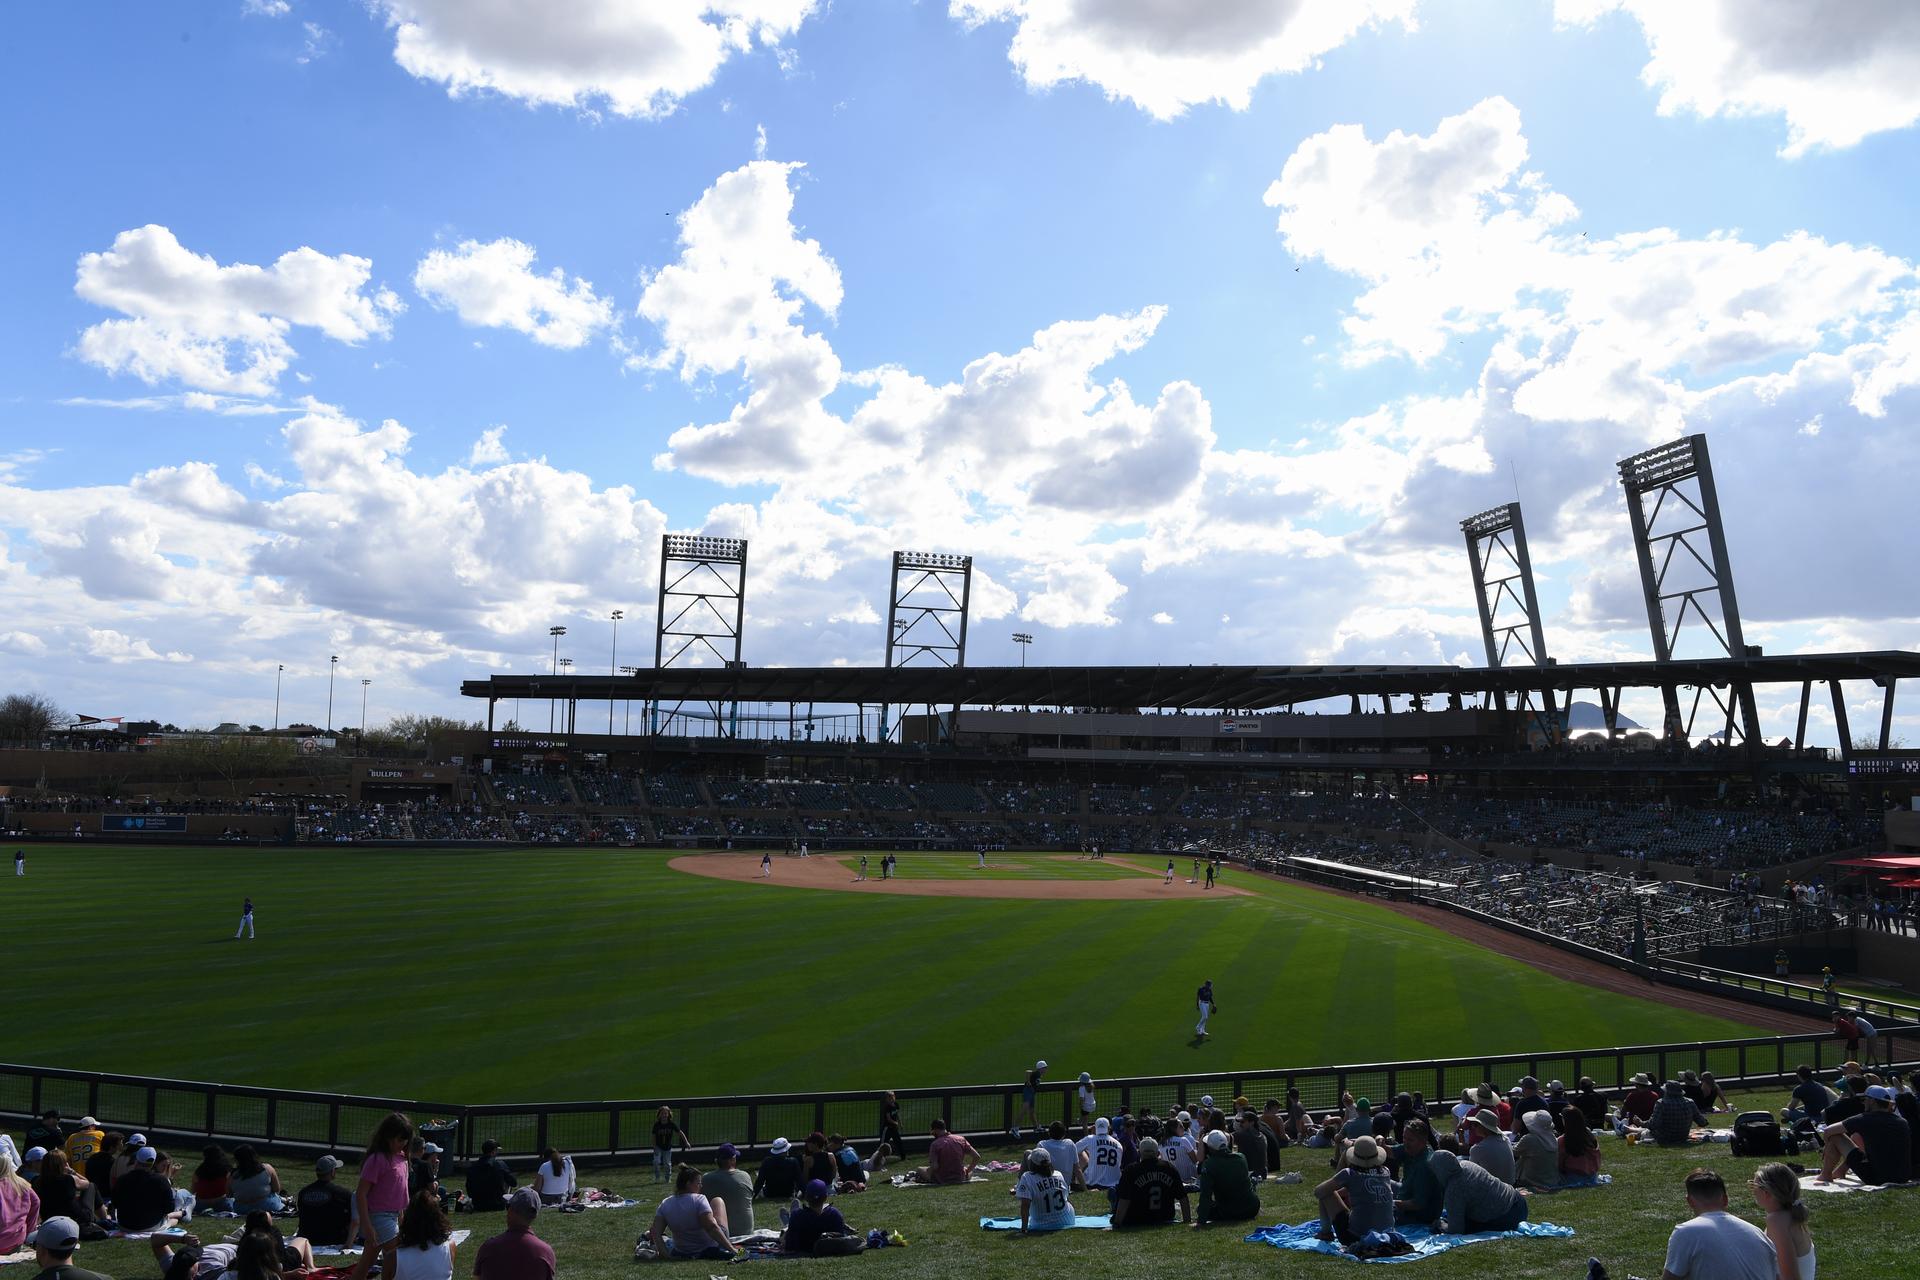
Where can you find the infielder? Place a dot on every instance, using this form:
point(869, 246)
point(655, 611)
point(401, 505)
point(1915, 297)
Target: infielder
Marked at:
point(246, 921)
point(766, 864)
point(1203, 1000)
point(863, 868)
point(19, 862)
point(1169, 879)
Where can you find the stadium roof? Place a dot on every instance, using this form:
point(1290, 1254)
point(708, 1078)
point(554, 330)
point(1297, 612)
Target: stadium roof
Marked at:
point(1173, 687)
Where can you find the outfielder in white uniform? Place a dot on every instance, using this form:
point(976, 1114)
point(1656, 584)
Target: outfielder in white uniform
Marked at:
point(246, 921)
point(1203, 1001)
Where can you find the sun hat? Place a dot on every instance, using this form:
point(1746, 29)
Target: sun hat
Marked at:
point(1487, 1120)
point(1217, 1140)
point(1541, 1122)
point(1644, 1080)
point(1674, 1089)
point(56, 1235)
point(1466, 1095)
point(780, 1146)
point(816, 1190)
point(1365, 1153)
point(1484, 1094)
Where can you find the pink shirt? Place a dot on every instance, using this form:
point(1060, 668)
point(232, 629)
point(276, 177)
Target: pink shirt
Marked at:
point(19, 1214)
point(385, 1178)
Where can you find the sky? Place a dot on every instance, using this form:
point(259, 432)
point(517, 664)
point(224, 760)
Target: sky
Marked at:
point(400, 330)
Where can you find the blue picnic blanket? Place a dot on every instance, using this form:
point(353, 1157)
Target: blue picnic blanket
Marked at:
point(1304, 1238)
point(1085, 1221)
point(1586, 1180)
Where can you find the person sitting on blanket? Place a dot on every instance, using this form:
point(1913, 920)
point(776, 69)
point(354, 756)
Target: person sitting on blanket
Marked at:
point(1637, 1106)
point(65, 1194)
point(488, 1179)
point(1674, 1117)
point(326, 1207)
point(729, 1185)
point(779, 1177)
point(54, 1241)
point(1579, 1152)
point(1149, 1188)
point(1250, 1140)
point(516, 1253)
point(1359, 1198)
point(19, 1205)
point(1711, 1097)
point(1528, 1102)
point(1875, 1146)
point(1472, 1199)
point(1809, 1100)
point(99, 1167)
point(256, 1184)
point(1557, 1100)
point(1043, 1195)
point(1328, 1134)
point(1492, 1152)
point(1226, 1192)
point(1419, 1190)
point(296, 1252)
point(1851, 1102)
point(1713, 1244)
point(817, 1218)
point(213, 1180)
point(950, 1159)
point(1590, 1102)
point(143, 1202)
point(1776, 1189)
point(818, 1159)
point(1064, 1154)
point(693, 1220)
point(1536, 1157)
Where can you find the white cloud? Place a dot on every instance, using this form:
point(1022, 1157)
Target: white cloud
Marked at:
point(1167, 57)
point(628, 57)
point(22, 644)
point(265, 8)
point(1837, 72)
point(490, 449)
point(1163, 619)
point(318, 43)
point(104, 645)
point(1074, 594)
point(494, 285)
point(189, 318)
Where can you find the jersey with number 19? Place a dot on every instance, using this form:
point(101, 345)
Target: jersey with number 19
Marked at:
point(1103, 1152)
point(1049, 1210)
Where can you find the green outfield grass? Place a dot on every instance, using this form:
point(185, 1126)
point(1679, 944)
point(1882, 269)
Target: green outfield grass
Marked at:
point(1000, 866)
point(496, 975)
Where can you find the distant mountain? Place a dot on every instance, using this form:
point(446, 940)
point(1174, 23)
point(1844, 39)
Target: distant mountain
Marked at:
point(1586, 715)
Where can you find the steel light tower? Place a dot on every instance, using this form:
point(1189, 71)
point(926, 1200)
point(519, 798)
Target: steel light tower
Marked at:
point(333, 665)
point(364, 683)
point(566, 669)
point(1023, 639)
point(701, 610)
point(556, 633)
point(279, 671)
point(613, 664)
point(1503, 590)
point(927, 613)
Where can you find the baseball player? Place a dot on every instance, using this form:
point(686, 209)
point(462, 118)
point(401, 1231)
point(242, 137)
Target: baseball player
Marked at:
point(766, 864)
point(1203, 1000)
point(19, 862)
point(863, 868)
point(1213, 869)
point(246, 921)
point(1195, 877)
point(1169, 878)
point(981, 853)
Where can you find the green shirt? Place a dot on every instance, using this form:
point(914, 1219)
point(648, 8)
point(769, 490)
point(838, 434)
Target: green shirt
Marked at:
point(1226, 1192)
point(1420, 1187)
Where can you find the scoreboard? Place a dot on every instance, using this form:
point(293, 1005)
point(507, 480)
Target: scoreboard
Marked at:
point(1884, 767)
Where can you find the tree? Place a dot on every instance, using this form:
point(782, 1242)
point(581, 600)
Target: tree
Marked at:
point(27, 717)
point(409, 736)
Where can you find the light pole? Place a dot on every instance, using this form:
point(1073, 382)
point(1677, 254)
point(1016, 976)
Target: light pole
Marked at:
point(333, 665)
point(627, 728)
point(556, 633)
point(566, 668)
point(364, 682)
point(1023, 639)
point(279, 671)
point(613, 664)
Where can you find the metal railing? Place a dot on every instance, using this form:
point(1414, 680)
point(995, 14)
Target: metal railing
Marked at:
point(309, 1122)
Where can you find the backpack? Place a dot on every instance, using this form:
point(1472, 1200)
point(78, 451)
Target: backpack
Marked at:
point(833, 1245)
point(1757, 1133)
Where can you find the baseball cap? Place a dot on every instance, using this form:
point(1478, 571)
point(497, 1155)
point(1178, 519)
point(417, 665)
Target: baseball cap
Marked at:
point(88, 1122)
point(816, 1189)
point(780, 1146)
point(525, 1200)
point(1085, 1078)
point(325, 1164)
point(1101, 1125)
point(56, 1235)
point(434, 1149)
point(1217, 1140)
point(1206, 1099)
point(144, 1155)
point(1362, 1104)
point(1880, 1093)
point(728, 1151)
point(137, 1140)
point(34, 1155)
point(1185, 1117)
point(1041, 1065)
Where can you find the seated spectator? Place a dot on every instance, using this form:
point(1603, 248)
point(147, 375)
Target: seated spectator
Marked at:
point(1099, 1158)
point(212, 1181)
point(99, 1168)
point(1579, 1151)
point(425, 1248)
point(143, 1201)
point(950, 1159)
point(779, 1177)
point(127, 1157)
point(489, 1180)
point(83, 1142)
point(694, 1222)
point(423, 1167)
point(1875, 1146)
point(818, 1159)
point(1528, 1102)
point(326, 1207)
point(732, 1189)
point(54, 1242)
point(516, 1253)
point(1809, 1100)
point(1851, 1102)
point(1591, 1104)
point(1358, 1199)
point(47, 1132)
point(813, 1219)
point(1274, 1119)
point(1638, 1105)
point(1419, 1197)
point(1492, 1152)
point(1226, 1192)
point(1065, 1156)
point(1474, 1200)
point(553, 1178)
point(19, 1206)
point(1712, 1098)
point(1776, 1189)
point(1713, 1244)
point(1674, 1117)
point(1149, 1189)
point(1536, 1157)
point(1043, 1195)
point(256, 1184)
point(1360, 1122)
point(1250, 1140)
point(65, 1194)
point(1557, 1100)
point(296, 1252)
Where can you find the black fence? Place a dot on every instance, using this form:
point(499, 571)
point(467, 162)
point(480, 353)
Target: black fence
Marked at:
point(308, 1123)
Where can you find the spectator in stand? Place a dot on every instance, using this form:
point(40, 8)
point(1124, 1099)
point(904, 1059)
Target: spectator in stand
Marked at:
point(812, 1220)
point(1674, 1117)
point(779, 1176)
point(890, 1135)
point(1809, 1100)
point(424, 1248)
point(1492, 1151)
point(1064, 1155)
point(65, 1194)
point(692, 1221)
point(326, 1207)
point(381, 1195)
point(1638, 1105)
point(732, 1189)
point(1420, 1198)
point(1851, 1102)
point(213, 1181)
point(1472, 1200)
point(1529, 1101)
point(489, 1180)
point(516, 1253)
point(817, 1159)
point(1776, 1189)
point(1250, 1140)
point(83, 1142)
point(1099, 1158)
point(143, 1201)
point(1226, 1192)
point(553, 1178)
point(1713, 1244)
point(666, 1133)
point(950, 1159)
point(1359, 1198)
point(19, 1206)
point(124, 1160)
point(1042, 1193)
point(99, 1170)
point(256, 1184)
point(1536, 1156)
point(54, 1242)
point(1149, 1189)
point(1875, 1146)
point(1712, 1098)
point(47, 1132)
point(1579, 1151)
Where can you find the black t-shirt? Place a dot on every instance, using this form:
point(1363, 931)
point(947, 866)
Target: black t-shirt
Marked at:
point(1889, 1144)
point(44, 1135)
point(890, 1117)
point(1593, 1107)
point(1522, 1107)
point(1151, 1191)
point(780, 1175)
point(99, 1170)
point(326, 1208)
point(69, 1272)
point(142, 1199)
point(820, 1165)
point(488, 1181)
point(1845, 1108)
point(664, 1132)
point(1252, 1143)
point(58, 1195)
point(419, 1175)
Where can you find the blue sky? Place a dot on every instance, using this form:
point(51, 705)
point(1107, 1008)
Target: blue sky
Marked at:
point(1397, 266)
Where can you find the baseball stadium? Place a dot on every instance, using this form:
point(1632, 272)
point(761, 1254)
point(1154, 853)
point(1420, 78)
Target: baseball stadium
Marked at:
point(1236, 925)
